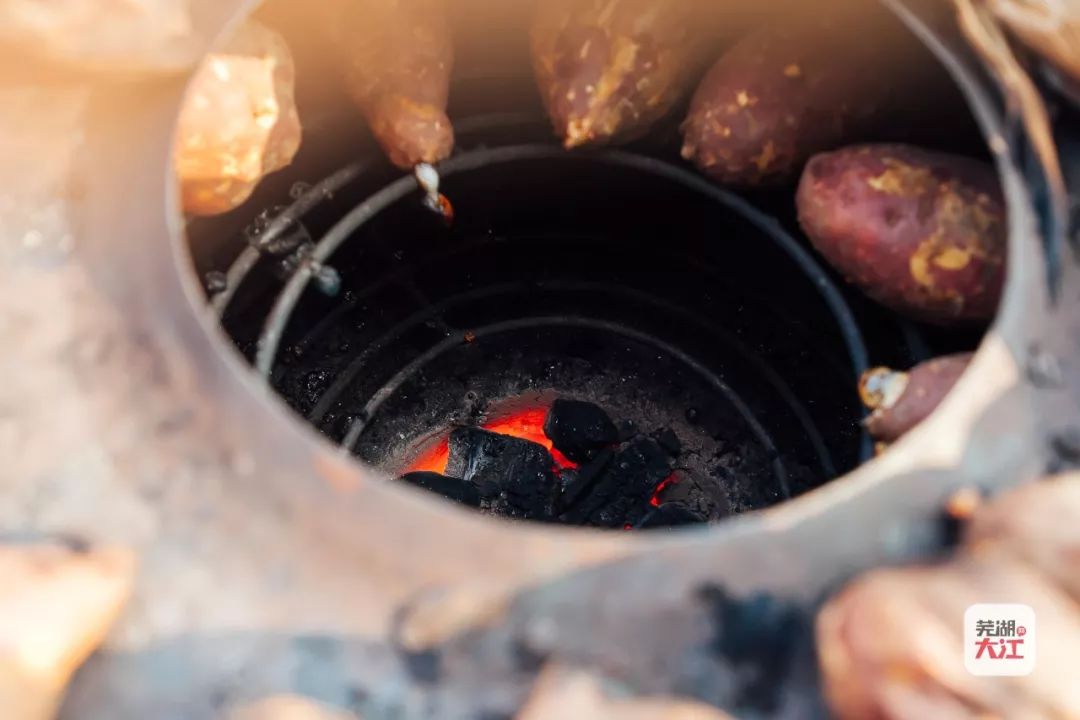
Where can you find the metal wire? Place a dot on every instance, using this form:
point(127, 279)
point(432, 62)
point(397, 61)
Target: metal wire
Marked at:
point(267, 345)
point(276, 321)
point(269, 340)
point(433, 310)
point(249, 258)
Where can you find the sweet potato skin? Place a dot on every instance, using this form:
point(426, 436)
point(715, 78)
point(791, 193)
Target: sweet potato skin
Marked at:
point(608, 69)
point(238, 123)
point(398, 56)
point(926, 386)
point(779, 95)
point(918, 231)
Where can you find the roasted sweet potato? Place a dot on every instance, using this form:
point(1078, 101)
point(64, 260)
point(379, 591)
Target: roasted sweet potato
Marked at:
point(238, 121)
point(921, 232)
point(901, 400)
point(608, 69)
point(795, 88)
point(398, 56)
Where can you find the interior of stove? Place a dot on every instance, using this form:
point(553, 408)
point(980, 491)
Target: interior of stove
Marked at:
point(602, 337)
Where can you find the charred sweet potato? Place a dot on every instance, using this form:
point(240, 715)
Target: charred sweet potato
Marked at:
point(921, 232)
point(398, 55)
point(238, 122)
point(608, 69)
point(902, 400)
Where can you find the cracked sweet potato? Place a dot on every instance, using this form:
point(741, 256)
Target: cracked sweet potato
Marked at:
point(398, 56)
point(608, 69)
point(902, 400)
point(918, 231)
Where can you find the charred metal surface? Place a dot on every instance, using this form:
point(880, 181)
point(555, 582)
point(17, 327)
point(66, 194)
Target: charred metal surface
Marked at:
point(269, 563)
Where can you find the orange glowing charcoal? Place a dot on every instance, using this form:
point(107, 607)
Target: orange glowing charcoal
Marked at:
point(527, 425)
point(664, 485)
point(432, 460)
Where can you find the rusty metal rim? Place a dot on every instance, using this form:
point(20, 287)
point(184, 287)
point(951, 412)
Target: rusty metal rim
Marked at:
point(981, 107)
point(224, 382)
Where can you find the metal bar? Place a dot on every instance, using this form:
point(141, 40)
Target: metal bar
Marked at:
point(251, 254)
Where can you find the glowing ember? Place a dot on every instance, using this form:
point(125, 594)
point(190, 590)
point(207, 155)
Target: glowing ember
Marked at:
point(665, 483)
point(526, 425)
point(434, 460)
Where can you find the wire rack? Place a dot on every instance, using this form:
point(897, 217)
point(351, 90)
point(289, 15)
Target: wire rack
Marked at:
point(280, 235)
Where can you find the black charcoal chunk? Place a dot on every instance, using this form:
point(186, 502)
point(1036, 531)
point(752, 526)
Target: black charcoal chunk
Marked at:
point(514, 477)
point(670, 515)
point(451, 488)
point(669, 441)
point(626, 429)
point(705, 497)
point(583, 480)
point(579, 429)
point(622, 491)
point(642, 465)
